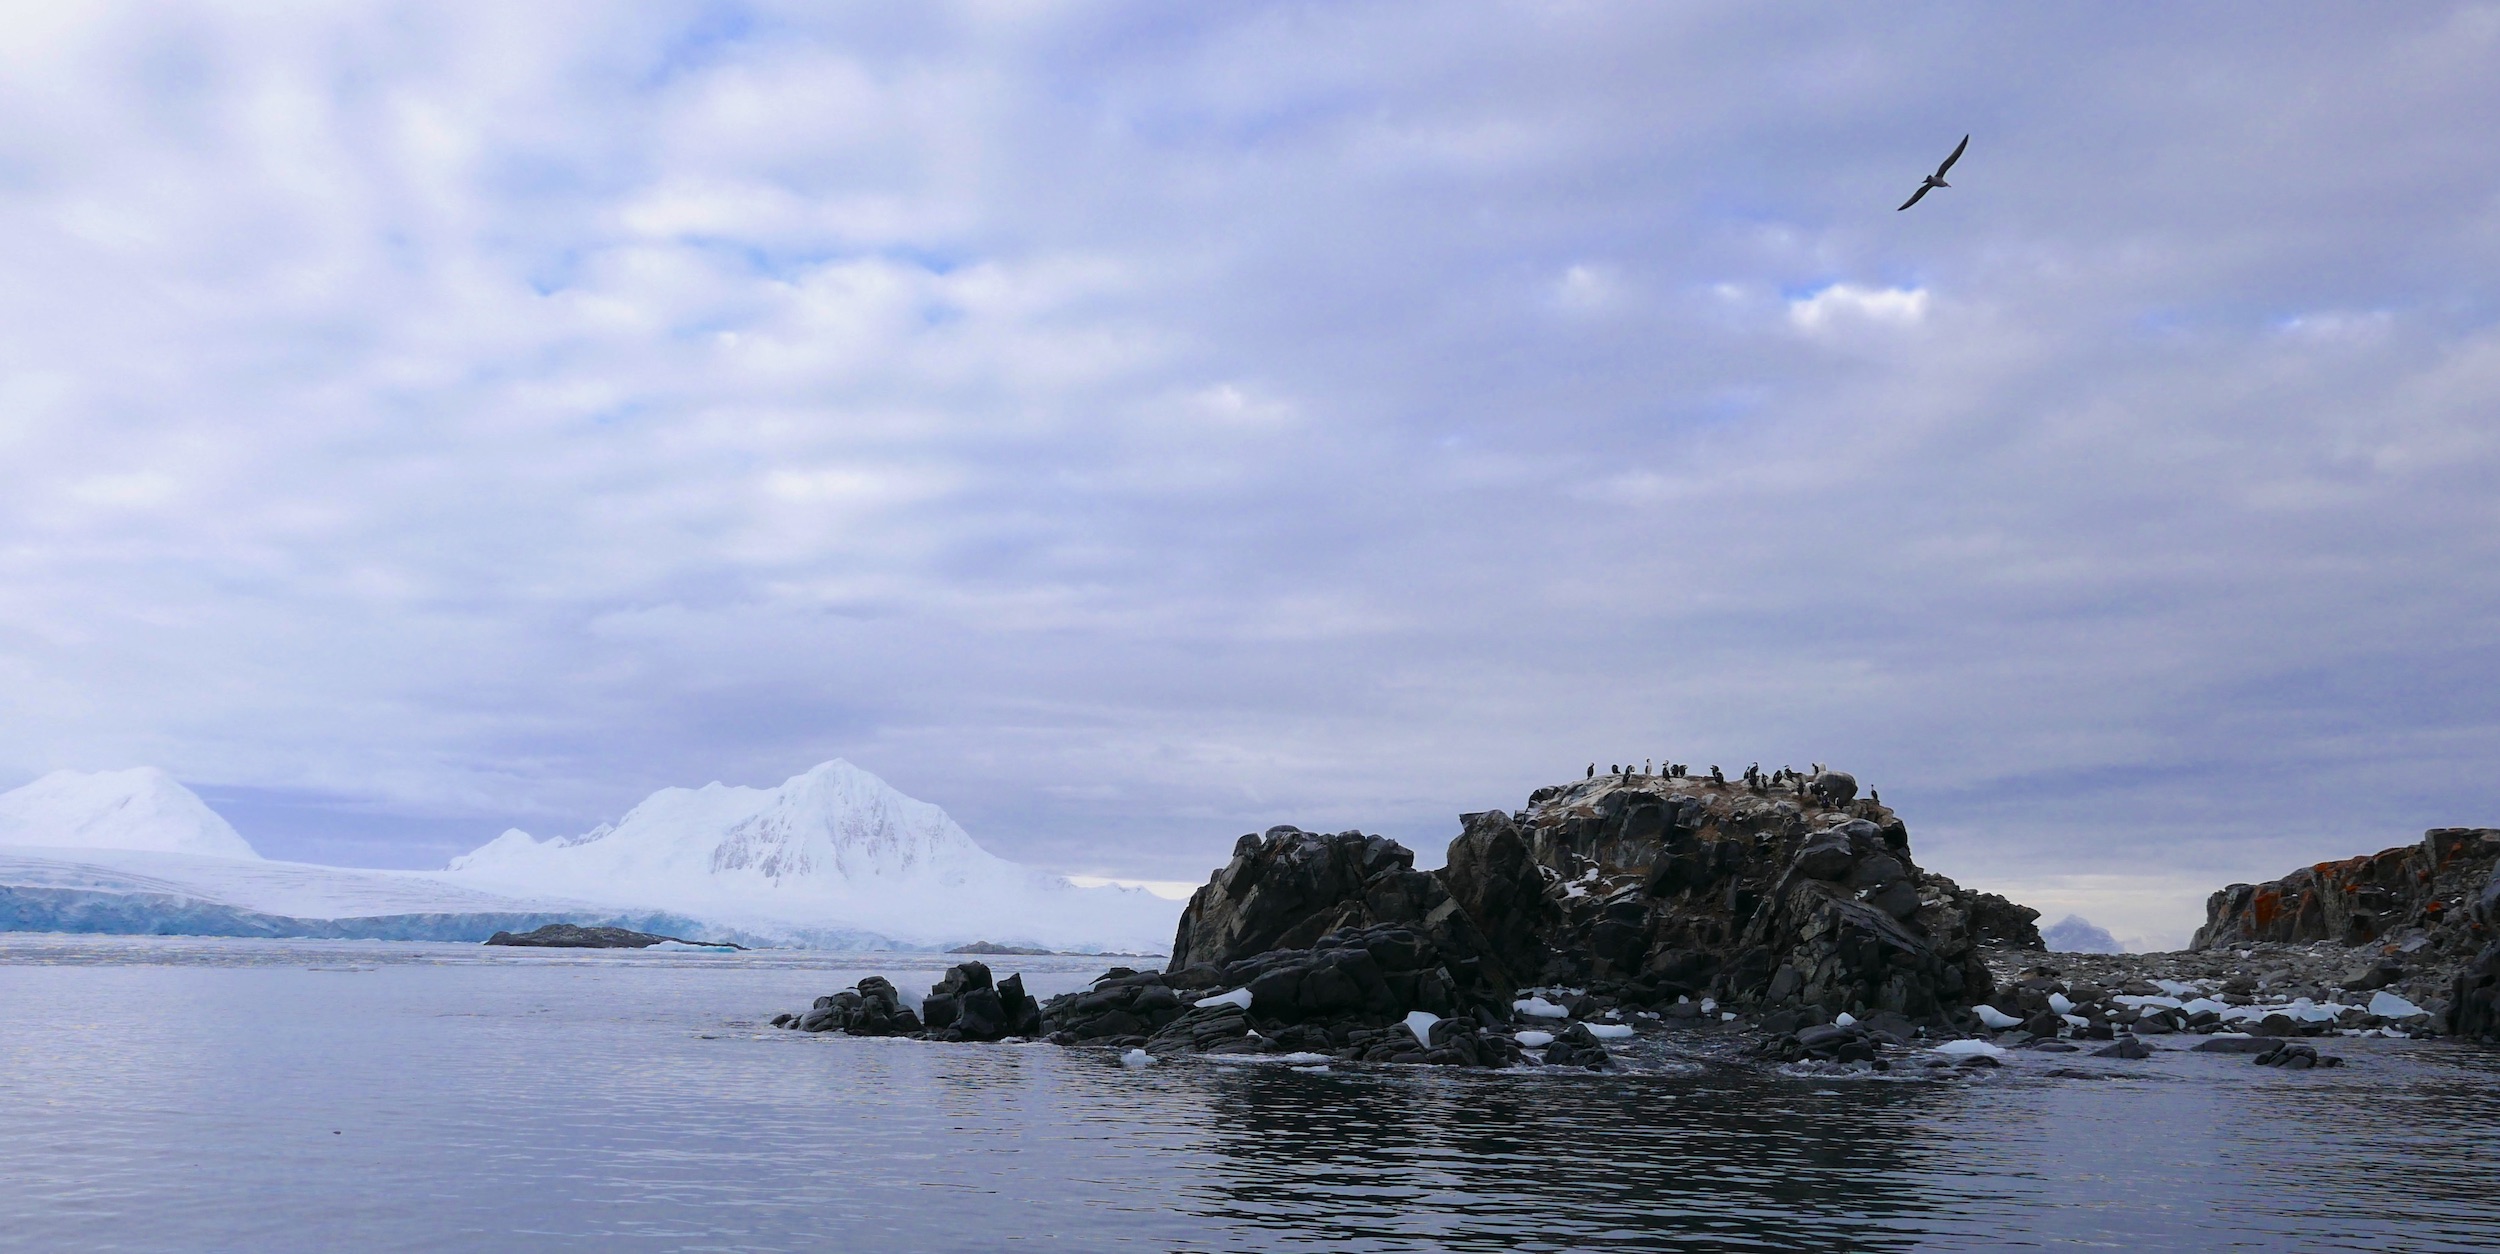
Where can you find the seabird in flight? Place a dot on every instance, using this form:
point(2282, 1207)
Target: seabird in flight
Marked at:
point(1937, 179)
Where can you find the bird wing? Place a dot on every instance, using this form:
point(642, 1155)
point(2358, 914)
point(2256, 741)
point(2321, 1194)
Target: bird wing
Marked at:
point(1957, 155)
point(1922, 190)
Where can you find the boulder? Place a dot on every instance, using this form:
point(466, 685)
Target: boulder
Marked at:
point(963, 1006)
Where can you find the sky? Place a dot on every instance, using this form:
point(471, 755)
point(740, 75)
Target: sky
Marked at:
point(1128, 426)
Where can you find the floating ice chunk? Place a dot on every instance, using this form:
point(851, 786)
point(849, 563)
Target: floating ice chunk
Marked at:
point(1959, 1048)
point(1844, 1019)
point(2060, 1003)
point(1610, 1031)
point(1727, 1016)
point(1136, 1058)
point(1709, 1005)
point(2387, 1005)
point(1534, 1008)
point(1533, 1040)
point(1321, 1069)
point(1238, 997)
point(1995, 1018)
point(1420, 1023)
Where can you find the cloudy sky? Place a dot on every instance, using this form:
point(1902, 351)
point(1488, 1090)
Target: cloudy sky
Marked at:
point(1131, 425)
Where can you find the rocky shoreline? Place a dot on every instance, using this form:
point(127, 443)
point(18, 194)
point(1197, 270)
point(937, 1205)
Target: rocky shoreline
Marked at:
point(1777, 917)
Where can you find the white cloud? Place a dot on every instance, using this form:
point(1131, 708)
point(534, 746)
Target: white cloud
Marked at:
point(1843, 304)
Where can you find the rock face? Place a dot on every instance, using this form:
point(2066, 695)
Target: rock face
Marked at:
point(1308, 943)
point(1286, 888)
point(2474, 995)
point(2430, 885)
point(1764, 892)
point(568, 936)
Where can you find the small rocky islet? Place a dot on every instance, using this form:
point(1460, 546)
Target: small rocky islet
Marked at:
point(1777, 918)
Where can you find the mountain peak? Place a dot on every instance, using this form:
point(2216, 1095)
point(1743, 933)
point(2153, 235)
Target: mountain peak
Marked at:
point(832, 843)
point(141, 808)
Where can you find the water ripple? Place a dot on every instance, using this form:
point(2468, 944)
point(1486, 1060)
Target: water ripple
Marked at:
point(177, 1094)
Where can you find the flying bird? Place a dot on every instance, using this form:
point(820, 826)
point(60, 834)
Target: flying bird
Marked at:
point(1937, 179)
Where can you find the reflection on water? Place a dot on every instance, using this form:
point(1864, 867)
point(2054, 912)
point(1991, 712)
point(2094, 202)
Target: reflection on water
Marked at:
point(193, 1094)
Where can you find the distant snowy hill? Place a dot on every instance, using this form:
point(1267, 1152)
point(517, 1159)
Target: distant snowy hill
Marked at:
point(142, 808)
point(2075, 934)
point(834, 847)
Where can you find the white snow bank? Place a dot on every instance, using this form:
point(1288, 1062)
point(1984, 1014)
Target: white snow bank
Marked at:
point(1238, 997)
point(2300, 1008)
point(2387, 1005)
point(1995, 1018)
point(2165, 1003)
point(141, 809)
point(2179, 988)
point(1959, 1048)
point(1533, 1039)
point(1539, 1008)
point(1420, 1023)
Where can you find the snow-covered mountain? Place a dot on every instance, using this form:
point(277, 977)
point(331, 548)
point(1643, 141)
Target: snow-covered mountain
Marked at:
point(141, 809)
point(835, 847)
point(2076, 934)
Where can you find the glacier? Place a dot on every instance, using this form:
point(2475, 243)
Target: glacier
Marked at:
point(833, 858)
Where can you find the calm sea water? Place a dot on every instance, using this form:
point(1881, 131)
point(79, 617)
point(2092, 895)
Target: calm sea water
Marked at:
point(176, 1094)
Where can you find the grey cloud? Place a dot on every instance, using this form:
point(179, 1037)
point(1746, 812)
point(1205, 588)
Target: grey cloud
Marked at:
point(1130, 426)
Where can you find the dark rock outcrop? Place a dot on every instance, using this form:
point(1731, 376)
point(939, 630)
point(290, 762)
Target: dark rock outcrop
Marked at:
point(966, 1005)
point(2474, 995)
point(1656, 899)
point(2432, 884)
point(1342, 996)
point(1286, 888)
point(1755, 893)
point(569, 936)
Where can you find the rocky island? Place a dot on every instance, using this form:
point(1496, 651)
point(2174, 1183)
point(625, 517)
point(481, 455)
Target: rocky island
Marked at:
point(1775, 916)
point(571, 936)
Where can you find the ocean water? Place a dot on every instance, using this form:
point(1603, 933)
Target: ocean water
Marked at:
point(181, 1094)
